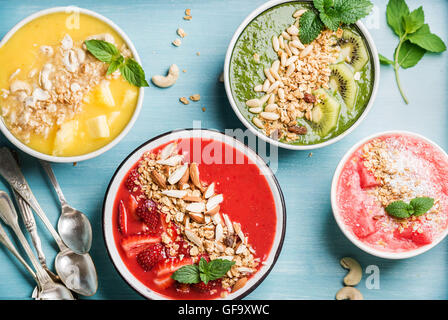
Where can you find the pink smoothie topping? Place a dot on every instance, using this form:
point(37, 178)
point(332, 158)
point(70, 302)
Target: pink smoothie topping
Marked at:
point(387, 169)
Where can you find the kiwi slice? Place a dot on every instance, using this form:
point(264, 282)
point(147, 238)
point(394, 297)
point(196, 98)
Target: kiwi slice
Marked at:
point(342, 80)
point(353, 51)
point(325, 114)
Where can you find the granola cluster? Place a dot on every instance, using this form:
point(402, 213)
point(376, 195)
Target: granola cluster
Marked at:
point(291, 80)
point(194, 207)
point(48, 97)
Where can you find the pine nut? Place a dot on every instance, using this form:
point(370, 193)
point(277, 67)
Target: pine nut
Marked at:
point(294, 50)
point(274, 86)
point(306, 51)
point(292, 30)
point(271, 99)
point(291, 60)
point(299, 13)
point(268, 75)
point(264, 98)
point(281, 93)
point(274, 74)
point(275, 44)
point(271, 107)
point(266, 85)
point(297, 44)
point(258, 122)
point(256, 110)
point(253, 103)
point(288, 50)
point(275, 65)
point(291, 69)
point(258, 88)
point(283, 59)
point(269, 116)
point(281, 42)
point(286, 35)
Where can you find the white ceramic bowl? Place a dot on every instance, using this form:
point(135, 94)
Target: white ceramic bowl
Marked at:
point(133, 158)
point(343, 227)
point(375, 67)
point(19, 144)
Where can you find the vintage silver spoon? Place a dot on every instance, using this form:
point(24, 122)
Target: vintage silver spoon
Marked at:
point(73, 225)
point(47, 289)
point(76, 271)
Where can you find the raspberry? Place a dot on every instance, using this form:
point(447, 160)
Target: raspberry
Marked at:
point(149, 214)
point(133, 175)
point(207, 288)
point(148, 258)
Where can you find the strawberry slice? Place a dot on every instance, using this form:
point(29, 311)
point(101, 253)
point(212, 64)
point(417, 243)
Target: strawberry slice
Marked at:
point(134, 244)
point(163, 282)
point(366, 178)
point(169, 266)
point(122, 218)
point(133, 205)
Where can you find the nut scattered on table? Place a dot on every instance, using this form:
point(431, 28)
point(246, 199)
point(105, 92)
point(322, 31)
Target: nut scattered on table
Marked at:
point(181, 33)
point(169, 79)
point(354, 275)
point(195, 97)
point(177, 42)
point(184, 100)
point(349, 293)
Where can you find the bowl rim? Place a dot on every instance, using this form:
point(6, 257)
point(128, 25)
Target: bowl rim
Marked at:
point(247, 151)
point(19, 144)
point(376, 78)
point(335, 208)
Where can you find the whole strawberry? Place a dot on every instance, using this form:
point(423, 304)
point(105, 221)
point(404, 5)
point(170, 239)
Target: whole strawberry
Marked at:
point(149, 257)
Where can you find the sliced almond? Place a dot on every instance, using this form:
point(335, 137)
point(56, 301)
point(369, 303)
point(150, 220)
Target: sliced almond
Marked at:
point(171, 161)
point(245, 270)
point(192, 198)
point(175, 193)
point(214, 201)
point(177, 174)
point(228, 224)
point(194, 176)
point(196, 207)
point(219, 233)
point(216, 218)
point(213, 210)
point(210, 191)
point(193, 237)
point(159, 179)
point(184, 180)
point(239, 284)
point(197, 217)
point(240, 249)
point(168, 150)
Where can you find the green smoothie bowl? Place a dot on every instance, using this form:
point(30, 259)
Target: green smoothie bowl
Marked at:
point(294, 94)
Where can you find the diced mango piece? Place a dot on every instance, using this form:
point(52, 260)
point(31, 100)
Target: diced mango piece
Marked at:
point(106, 94)
point(129, 98)
point(112, 117)
point(65, 137)
point(98, 127)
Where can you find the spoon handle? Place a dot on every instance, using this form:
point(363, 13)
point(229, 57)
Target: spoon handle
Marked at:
point(30, 225)
point(11, 172)
point(9, 216)
point(47, 167)
point(4, 239)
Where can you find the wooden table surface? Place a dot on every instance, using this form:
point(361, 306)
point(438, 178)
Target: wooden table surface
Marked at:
point(308, 267)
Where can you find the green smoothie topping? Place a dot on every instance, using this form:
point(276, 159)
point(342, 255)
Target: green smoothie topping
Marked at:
point(312, 88)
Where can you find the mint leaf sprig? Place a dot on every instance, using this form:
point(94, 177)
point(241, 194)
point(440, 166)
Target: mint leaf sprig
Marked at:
point(106, 52)
point(204, 271)
point(415, 36)
point(331, 14)
point(416, 207)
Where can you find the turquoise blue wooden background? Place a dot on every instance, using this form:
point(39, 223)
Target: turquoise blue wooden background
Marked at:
point(308, 267)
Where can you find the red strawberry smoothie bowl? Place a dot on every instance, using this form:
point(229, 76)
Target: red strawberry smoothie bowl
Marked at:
point(387, 168)
point(168, 208)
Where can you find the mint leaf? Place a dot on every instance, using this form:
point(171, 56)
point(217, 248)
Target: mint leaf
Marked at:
point(413, 21)
point(114, 65)
point(395, 13)
point(399, 209)
point(133, 73)
point(214, 269)
point(427, 40)
point(310, 27)
point(421, 205)
point(322, 5)
point(351, 11)
point(331, 18)
point(409, 55)
point(187, 274)
point(385, 60)
point(102, 50)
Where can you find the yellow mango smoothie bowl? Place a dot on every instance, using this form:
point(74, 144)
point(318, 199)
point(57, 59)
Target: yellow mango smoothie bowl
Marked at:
point(71, 84)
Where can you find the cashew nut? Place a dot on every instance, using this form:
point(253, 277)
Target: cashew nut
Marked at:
point(349, 293)
point(354, 275)
point(19, 85)
point(169, 79)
